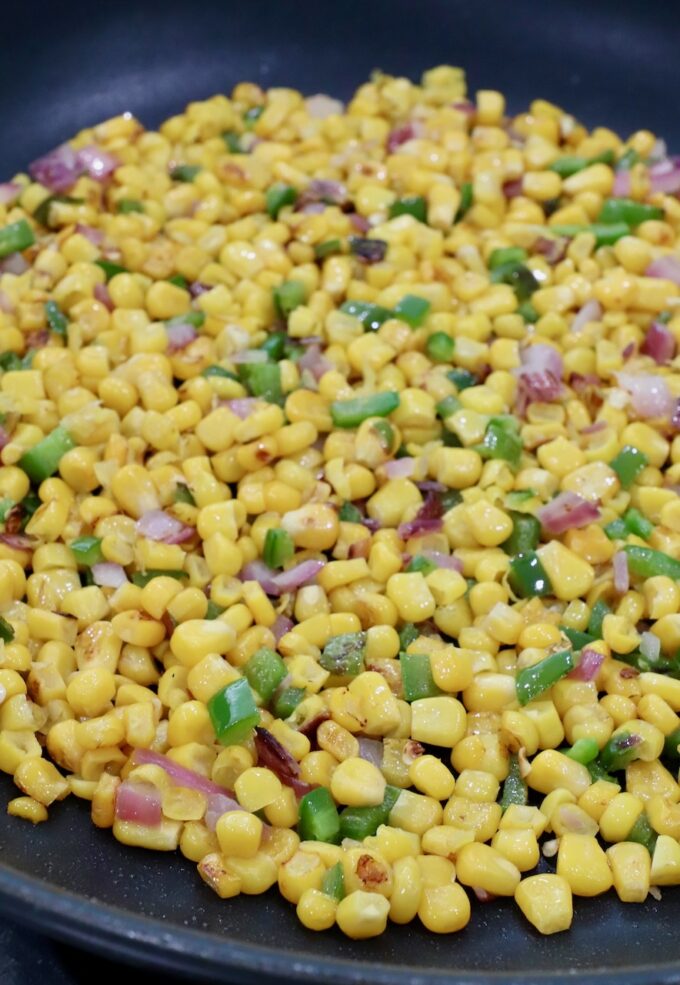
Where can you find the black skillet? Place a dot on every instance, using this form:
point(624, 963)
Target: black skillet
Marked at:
point(70, 64)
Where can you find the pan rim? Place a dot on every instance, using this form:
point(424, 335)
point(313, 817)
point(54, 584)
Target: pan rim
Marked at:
point(119, 934)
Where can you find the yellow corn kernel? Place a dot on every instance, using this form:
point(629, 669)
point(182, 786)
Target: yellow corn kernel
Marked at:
point(583, 864)
point(315, 910)
point(519, 847)
point(440, 721)
point(665, 870)
point(546, 902)
point(552, 770)
point(490, 525)
point(362, 915)
point(570, 576)
point(482, 819)
point(482, 866)
point(239, 834)
point(431, 777)
point(214, 871)
point(304, 871)
point(631, 870)
point(256, 788)
point(407, 884)
point(358, 783)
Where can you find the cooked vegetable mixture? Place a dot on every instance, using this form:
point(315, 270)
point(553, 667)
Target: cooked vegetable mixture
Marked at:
point(339, 492)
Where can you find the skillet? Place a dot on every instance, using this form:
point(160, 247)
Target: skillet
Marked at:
point(63, 67)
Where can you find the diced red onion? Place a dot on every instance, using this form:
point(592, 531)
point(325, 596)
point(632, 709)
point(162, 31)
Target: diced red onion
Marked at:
point(359, 222)
point(109, 575)
point(14, 263)
point(666, 267)
point(553, 248)
point(283, 581)
point(6, 303)
point(399, 468)
point(95, 236)
point(594, 427)
point(465, 106)
point(180, 336)
point(621, 186)
point(404, 133)
point(322, 191)
point(9, 192)
point(160, 526)
point(659, 343)
point(97, 163)
point(567, 511)
point(447, 561)
point(431, 485)
point(320, 106)
point(219, 804)
point(591, 311)
point(18, 542)
point(621, 573)
point(36, 339)
point(58, 170)
point(512, 189)
point(250, 356)
point(588, 666)
point(281, 626)
point(101, 292)
point(196, 288)
point(5, 437)
point(650, 645)
point(241, 406)
point(649, 394)
point(139, 802)
point(664, 176)
point(360, 548)
point(312, 208)
point(539, 376)
point(675, 416)
point(183, 776)
point(483, 895)
point(628, 352)
point(417, 528)
point(315, 362)
point(372, 750)
point(275, 757)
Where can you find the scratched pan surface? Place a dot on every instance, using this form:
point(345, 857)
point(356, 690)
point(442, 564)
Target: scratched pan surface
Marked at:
point(64, 66)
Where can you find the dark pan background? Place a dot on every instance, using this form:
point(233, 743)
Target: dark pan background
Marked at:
point(65, 66)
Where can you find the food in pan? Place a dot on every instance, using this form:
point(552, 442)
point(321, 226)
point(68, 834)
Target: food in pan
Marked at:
point(339, 492)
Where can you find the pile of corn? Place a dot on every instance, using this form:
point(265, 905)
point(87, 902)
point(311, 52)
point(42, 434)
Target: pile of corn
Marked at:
point(474, 790)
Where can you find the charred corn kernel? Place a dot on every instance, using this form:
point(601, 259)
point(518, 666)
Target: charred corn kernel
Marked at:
point(546, 902)
point(429, 775)
point(583, 864)
point(214, 871)
point(239, 834)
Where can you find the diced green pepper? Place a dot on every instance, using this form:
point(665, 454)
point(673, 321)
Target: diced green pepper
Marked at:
point(56, 318)
point(5, 506)
point(407, 634)
point(233, 712)
point(351, 413)
point(42, 213)
point(179, 281)
point(534, 680)
point(416, 676)
point(465, 201)
point(505, 255)
point(277, 196)
point(278, 547)
point(572, 163)
point(87, 550)
point(15, 237)
point(620, 750)
point(287, 701)
point(126, 206)
point(327, 248)
point(185, 172)
point(251, 116)
point(518, 276)
point(232, 141)
point(195, 318)
point(363, 822)
point(642, 833)
point(440, 347)
point(42, 460)
point(502, 440)
point(638, 524)
point(583, 751)
point(414, 205)
point(628, 211)
point(461, 378)
point(370, 315)
point(514, 787)
point(333, 882)
point(142, 578)
point(274, 345)
point(671, 746)
point(617, 529)
point(349, 513)
point(597, 614)
point(628, 464)
point(264, 671)
point(289, 296)
point(606, 234)
point(183, 494)
point(528, 312)
point(213, 611)
point(344, 654)
point(110, 268)
point(577, 639)
point(412, 309)
point(420, 563)
point(647, 563)
point(216, 370)
point(262, 380)
point(528, 578)
point(627, 160)
point(6, 631)
point(525, 536)
point(319, 818)
point(448, 406)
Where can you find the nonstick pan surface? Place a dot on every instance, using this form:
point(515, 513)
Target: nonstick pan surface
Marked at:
point(64, 66)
